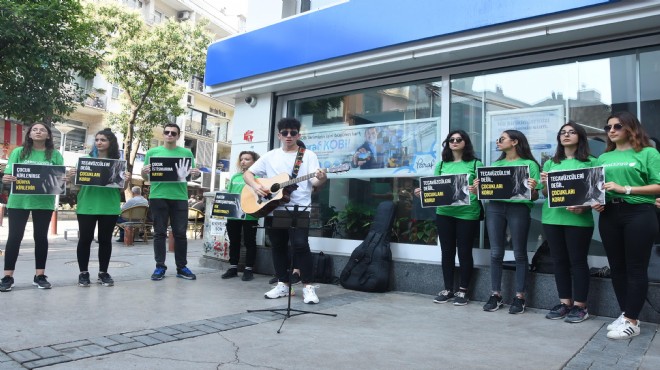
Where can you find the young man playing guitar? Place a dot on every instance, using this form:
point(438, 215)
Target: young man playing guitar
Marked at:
point(273, 163)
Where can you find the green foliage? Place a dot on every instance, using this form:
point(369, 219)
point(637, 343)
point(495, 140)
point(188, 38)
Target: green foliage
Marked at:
point(407, 230)
point(353, 222)
point(44, 45)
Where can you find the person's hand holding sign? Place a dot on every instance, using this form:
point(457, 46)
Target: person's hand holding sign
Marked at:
point(8, 179)
point(182, 169)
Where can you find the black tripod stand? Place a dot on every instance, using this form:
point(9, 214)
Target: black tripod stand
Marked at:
point(292, 219)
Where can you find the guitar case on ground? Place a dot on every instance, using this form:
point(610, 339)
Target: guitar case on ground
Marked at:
point(368, 268)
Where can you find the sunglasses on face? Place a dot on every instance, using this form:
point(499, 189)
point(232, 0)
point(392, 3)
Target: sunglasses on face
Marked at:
point(569, 133)
point(616, 126)
point(455, 140)
point(170, 133)
point(501, 139)
point(291, 133)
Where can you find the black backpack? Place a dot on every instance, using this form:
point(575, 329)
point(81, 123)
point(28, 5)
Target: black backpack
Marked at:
point(324, 269)
point(542, 261)
point(368, 268)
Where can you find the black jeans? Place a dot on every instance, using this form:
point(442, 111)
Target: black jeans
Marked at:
point(87, 224)
point(17, 220)
point(628, 231)
point(456, 233)
point(176, 212)
point(299, 239)
point(249, 230)
point(569, 247)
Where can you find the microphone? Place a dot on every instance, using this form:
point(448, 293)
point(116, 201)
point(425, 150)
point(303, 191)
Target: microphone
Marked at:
point(301, 144)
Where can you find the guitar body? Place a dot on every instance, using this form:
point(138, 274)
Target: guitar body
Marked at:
point(254, 205)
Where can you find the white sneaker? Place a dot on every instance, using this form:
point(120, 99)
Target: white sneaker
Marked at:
point(625, 331)
point(280, 290)
point(309, 294)
point(616, 323)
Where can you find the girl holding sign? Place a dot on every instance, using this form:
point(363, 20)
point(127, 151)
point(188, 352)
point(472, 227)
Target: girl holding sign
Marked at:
point(628, 223)
point(98, 205)
point(457, 226)
point(247, 226)
point(569, 230)
point(514, 213)
point(37, 148)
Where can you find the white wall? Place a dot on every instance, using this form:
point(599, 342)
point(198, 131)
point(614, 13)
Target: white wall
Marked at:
point(263, 13)
point(247, 118)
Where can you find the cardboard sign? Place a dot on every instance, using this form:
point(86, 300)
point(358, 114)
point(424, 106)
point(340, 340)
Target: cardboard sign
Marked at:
point(582, 187)
point(227, 205)
point(504, 183)
point(38, 179)
point(101, 172)
point(170, 169)
point(445, 190)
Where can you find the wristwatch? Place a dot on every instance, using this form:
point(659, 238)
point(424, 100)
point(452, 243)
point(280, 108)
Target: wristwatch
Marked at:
point(628, 189)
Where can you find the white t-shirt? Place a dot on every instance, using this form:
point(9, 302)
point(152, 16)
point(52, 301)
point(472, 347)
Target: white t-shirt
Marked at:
point(277, 161)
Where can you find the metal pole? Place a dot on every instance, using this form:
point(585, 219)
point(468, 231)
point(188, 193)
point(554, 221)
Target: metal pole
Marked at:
point(215, 157)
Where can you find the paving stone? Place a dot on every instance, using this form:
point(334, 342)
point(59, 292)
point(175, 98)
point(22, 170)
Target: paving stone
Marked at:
point(46, 362)
point(220, 327)
point(24, 356)
point(227, 319)
point(182, 328)
point(189, 334)
point(241, 324)
point(147, 340)
point(139, 333)
point(120, 338)
point(163, 337)
point(168, 330)
point(77, 343)
point(125, 346)
point(75, 353)
point(103, 341)
point(45, 352)
point(4, 357)
point(11, 365)
point(257, 319)
point(206, 329)
point(197, 323)
point(95, 350)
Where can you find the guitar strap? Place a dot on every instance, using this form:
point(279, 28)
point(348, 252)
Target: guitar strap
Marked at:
point(298, 162)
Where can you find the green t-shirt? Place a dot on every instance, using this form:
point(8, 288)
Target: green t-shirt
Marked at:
point(26, 201)
point(560, 216)
point(236, 184)
point(628, 167)
point(98, 200)
point(169, 190)
point(470, 212)
point(534, 172)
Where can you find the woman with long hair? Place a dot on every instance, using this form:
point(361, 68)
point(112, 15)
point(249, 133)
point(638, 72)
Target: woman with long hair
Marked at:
point(37, 148)
point(628, 223)
point(457, 226)
point(514, 213)
point(98, 205)
point(247, 226)
point(569, 230)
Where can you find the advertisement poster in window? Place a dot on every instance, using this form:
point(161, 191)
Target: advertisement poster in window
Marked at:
point(390, 149)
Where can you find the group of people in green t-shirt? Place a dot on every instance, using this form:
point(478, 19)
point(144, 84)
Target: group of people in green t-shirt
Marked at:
point(627, 223)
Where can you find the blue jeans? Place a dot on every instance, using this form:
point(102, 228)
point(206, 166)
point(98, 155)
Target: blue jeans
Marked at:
point(499, 215)
point(176, 212)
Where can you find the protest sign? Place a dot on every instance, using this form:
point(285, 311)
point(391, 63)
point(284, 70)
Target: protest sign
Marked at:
point(38, 179)
point(445, 190)
point(503, 183)
point(582, 187)
point(101, 172)
point(227, 205)
point(170, 169)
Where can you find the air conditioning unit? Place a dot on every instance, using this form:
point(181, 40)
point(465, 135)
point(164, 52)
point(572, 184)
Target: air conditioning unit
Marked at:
point(183, 15)
point(190, 100)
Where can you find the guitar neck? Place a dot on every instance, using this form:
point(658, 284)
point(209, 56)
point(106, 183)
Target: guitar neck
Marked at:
point(299, 179)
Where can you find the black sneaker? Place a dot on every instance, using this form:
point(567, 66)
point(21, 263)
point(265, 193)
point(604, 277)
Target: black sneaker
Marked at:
point(272, 281)
point(577, 314)
point(247, 275)
point(494, 303)
point(558, 312)
point(460, 298)
point(295, 278)
point(6, 283)
point(159, 273)
point(185, 273)
point(83, 279)
point(444, 297)
point(105, 279)
point(40, 282)
point(231, 273)
point(517, 306)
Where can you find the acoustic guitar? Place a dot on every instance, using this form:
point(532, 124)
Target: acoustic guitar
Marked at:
point(280, 191)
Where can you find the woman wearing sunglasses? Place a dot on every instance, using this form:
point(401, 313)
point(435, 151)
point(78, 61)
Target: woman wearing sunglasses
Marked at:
point(514, 213)
point(628, 224)
point(569, 230)
point(457, 226)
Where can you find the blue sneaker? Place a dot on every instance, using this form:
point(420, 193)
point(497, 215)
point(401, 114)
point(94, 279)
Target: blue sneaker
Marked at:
point(159, 273)
point(185, 273)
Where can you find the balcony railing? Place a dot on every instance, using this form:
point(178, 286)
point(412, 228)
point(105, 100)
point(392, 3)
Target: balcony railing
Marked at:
point(96, 100)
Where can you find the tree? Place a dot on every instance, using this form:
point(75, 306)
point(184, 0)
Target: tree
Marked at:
point(149, 63)
point(44, 45)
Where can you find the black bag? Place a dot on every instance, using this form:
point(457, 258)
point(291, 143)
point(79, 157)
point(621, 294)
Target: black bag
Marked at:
point(368, 268)
point(542, 261)
point(324, 269)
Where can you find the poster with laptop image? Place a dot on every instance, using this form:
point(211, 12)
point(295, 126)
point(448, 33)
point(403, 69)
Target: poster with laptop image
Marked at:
point(101, 172)
point(503, 183)
point(38, 179)
point(170, 169)
point(445, 190)
point(227, 205)
point(583, 187)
